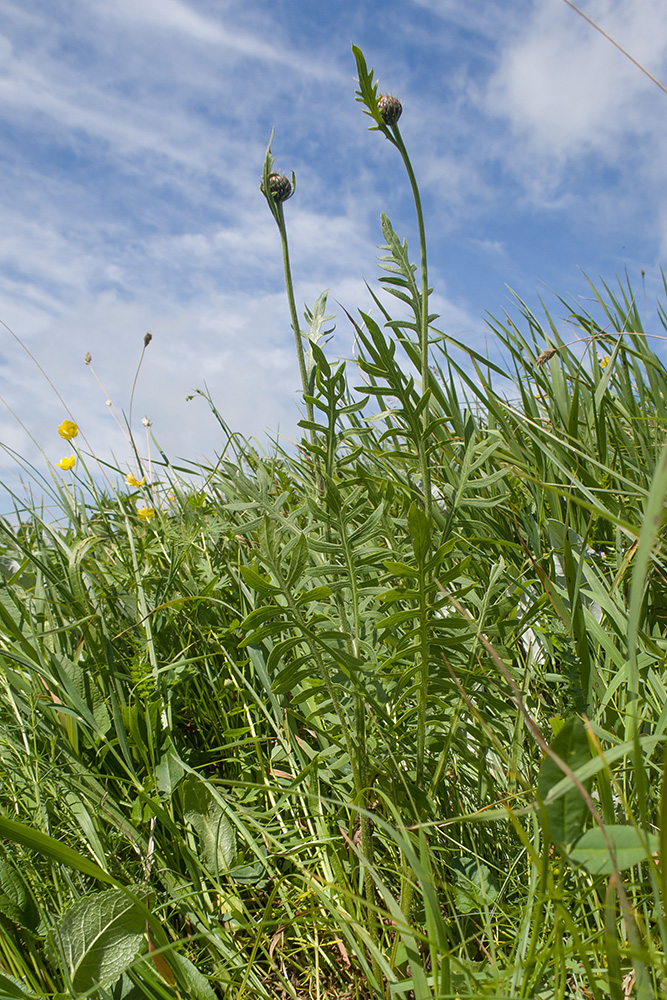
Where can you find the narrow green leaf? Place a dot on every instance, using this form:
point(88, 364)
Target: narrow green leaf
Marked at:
point(420, 531)
point(257, 581)
point(51, 848)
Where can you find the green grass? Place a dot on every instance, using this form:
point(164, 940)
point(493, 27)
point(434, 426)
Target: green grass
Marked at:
point(384, 716)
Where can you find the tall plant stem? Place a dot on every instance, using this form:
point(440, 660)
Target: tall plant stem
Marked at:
point(423, 675)
point(289, 285)
point(423, 324)
point(423, 455)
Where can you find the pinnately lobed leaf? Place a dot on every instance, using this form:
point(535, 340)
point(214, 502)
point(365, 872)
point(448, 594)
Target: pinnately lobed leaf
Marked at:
point(98, 938)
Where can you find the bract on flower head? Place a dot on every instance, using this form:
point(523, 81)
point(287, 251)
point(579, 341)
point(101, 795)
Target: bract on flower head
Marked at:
point(66, 463)
point(145, 513)
point(68, 430)
point(133, 481)
point(390, 108)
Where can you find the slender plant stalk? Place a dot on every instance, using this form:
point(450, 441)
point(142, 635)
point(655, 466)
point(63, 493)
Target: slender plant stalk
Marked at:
point(275, 200)
point(423, 332)
point(289, 285)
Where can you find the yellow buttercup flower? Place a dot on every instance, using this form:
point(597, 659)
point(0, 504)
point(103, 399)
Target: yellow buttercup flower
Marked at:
point(145, 513)
point(133, 481)
point(68, 430)
point(604, 361)
point(66, 463)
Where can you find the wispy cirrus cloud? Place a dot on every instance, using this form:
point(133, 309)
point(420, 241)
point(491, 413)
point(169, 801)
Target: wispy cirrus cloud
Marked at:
point(569, 92)
point(131, 142)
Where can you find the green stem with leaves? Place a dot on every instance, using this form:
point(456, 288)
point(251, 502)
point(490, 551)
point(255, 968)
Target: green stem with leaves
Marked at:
point(367, 94)
point(423, 331)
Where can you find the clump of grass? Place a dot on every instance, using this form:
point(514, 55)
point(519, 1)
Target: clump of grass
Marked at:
point(381, 717)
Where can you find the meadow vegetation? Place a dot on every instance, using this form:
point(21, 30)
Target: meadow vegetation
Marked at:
point(382, 716)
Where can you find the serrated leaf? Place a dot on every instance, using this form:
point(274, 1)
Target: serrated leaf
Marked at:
point(628, 844)
point(217, 839)
point(299, 558)
point(98, 938)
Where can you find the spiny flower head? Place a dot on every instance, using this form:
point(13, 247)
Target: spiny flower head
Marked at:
point(279, 187)
point(66, 463)
point(68, 430)
point(390, 108)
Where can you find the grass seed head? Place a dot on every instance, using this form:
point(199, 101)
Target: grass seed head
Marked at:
point(390, 108)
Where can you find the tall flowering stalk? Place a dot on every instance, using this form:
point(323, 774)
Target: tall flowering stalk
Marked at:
point(385, 111)
point(277, 188)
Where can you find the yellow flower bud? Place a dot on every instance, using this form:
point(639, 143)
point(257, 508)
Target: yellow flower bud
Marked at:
point(145, 513)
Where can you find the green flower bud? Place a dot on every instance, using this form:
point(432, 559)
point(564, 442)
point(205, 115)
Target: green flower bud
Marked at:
point(279, 187)
point(390, 108)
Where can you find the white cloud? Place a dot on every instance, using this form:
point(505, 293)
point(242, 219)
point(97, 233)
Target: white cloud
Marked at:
point(489, 20)
point(179, 18)
point(133, 137)
point(568, 91)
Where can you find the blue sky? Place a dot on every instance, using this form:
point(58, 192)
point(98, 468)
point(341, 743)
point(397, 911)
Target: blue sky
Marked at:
point(132, 135)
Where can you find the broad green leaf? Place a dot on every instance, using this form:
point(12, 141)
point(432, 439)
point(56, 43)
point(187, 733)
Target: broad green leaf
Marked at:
point(98, 938)
point(217, 839)
point(15, 899)
point(314, 594)
point(474, 888)
point(169, 772)
point(627, 843)
point(566, 815)
point(198, 986)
